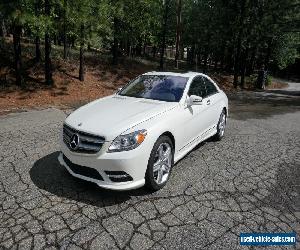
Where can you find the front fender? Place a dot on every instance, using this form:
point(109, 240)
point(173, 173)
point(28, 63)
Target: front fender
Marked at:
point(156, 127)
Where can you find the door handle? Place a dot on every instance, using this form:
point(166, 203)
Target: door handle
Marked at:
point(208, 102)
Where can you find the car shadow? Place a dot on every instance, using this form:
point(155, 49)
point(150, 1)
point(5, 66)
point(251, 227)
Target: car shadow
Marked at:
point(47, 174)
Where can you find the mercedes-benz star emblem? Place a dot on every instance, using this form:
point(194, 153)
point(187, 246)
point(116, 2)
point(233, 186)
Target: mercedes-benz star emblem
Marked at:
point(74, 143)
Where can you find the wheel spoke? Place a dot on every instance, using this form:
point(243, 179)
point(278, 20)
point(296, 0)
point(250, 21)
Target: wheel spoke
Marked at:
point(165, 156)
point(222, 124)
point(167, 152)
point(160, 151)
point(167, 168)
point(156, 166)
point(159, 176)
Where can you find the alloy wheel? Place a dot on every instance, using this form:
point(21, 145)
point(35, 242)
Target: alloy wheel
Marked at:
point(163, 163)
point(222, 124)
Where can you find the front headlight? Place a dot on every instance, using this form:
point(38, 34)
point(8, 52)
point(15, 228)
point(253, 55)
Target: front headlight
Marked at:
point(127, 142)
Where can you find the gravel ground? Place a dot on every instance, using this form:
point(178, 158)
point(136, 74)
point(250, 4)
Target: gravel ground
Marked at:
point(248, 182)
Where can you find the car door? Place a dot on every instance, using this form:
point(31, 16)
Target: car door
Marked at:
point(196, 115)
point(212, 100)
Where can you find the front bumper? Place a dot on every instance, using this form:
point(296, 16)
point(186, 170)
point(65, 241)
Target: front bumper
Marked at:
point(134, 163)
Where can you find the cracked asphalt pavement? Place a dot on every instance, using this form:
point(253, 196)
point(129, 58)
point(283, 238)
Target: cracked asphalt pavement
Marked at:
point(248, 182)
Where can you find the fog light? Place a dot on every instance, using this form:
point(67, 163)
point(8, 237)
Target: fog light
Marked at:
point(118, 176)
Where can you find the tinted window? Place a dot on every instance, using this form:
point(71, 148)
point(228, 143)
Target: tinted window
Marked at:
point(197, 87)
point(156, 87)
point(210, 87)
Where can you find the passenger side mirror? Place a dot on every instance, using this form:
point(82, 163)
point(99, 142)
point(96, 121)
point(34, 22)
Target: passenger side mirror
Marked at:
point(118, 90)
point(194, 100)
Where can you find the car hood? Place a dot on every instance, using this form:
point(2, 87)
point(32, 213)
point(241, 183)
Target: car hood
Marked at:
point(112, 115)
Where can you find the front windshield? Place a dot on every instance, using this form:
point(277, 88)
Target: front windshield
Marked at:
point(156, 87)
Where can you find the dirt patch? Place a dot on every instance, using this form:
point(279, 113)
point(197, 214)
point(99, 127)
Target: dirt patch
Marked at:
point(100, 80)
point(224, 82)
point(277, 84)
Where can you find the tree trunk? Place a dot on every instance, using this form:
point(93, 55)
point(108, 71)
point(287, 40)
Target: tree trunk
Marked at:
point(178, 32)
point(205, 62)
point(216, 63)
point(198, 57)
point(268, 54)
point(192, 55)
point(72, 42)
point(81, 59)
point(37, 49)
point(127, 46)
point(48, 69)
point(139, 47)
point(54, 39)
point(239, 44)
point(144, 49)
point(221, 67)
point(181, 51)
point(115, 44)
point(229, 59)
point(37, 7)
point(3, 28)
point(65, 29)
point(237, 62)
point(250, 65)
point(17, 54)
point(223, 57)
point(164, 31)
point(206, 53)
point(154, 49)
point(243, 70)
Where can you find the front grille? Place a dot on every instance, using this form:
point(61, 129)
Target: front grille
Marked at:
point(87, 143)
point(82, 170)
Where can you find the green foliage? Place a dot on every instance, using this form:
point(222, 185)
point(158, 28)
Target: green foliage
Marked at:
point(268, 80)
point(287, 49)
point(267, 29)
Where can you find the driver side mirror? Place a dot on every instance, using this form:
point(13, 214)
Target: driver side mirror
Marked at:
point(194, 100)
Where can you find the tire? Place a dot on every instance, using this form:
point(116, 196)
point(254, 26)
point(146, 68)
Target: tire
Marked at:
point(158, 172)
point(221, 126)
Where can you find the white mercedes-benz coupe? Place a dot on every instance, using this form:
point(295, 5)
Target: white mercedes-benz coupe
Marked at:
point(134, 137)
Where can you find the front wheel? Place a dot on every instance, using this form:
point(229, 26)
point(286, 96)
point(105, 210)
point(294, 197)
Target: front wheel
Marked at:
point(221, 126)
point(160, 163)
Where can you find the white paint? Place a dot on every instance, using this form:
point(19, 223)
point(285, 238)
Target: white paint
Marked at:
point(115, 115)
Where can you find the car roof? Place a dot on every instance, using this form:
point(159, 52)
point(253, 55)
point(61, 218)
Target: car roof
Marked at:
point(189, 74)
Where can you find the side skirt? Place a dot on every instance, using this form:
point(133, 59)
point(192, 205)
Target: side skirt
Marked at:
point(191, 145)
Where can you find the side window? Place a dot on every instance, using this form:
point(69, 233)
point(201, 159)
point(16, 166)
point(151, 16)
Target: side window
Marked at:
point(197, 87)
point(210, 87)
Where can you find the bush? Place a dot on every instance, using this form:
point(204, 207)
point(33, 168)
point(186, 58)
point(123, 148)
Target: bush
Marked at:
point(268, 80)
point(252, 80)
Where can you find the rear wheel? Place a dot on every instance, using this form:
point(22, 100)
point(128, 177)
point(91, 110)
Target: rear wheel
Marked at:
point(160, 163)
point(221, 126)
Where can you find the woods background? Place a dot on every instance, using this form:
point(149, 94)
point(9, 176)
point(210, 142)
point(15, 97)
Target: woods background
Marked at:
point(236, 37)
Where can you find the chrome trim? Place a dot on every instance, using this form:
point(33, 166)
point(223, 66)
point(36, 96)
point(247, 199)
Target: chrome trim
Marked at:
point(88, 143)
